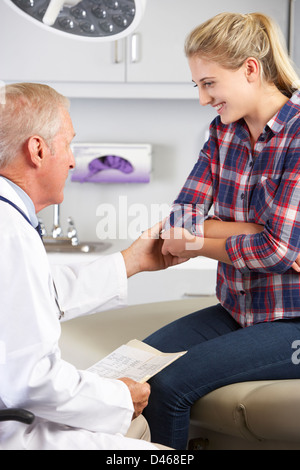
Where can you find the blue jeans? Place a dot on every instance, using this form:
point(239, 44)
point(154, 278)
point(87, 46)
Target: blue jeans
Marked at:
point(220, 352)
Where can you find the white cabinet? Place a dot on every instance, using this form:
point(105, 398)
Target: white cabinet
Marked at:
point(29, 52)
point(156, 51)
point(194, 279)
point(149, 63)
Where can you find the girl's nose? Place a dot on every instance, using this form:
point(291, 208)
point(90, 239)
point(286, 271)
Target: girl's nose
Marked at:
point(204, 97)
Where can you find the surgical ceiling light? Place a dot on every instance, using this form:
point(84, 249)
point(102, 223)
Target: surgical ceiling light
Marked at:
point(102, 20)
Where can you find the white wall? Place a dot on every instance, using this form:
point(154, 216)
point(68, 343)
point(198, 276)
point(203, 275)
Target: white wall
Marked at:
point(175, 129)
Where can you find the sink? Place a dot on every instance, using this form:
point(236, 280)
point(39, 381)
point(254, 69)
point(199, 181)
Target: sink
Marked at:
point(65, 246)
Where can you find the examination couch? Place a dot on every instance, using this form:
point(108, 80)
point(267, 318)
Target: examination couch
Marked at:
point(252, 415)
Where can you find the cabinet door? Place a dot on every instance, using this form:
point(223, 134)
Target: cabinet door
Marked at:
point(156, 50)
point(30, 52)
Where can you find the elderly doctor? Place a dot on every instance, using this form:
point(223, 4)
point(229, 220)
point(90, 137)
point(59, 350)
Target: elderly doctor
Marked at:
point(74, 409)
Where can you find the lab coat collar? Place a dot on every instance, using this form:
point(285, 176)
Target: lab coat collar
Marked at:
point(15, 194)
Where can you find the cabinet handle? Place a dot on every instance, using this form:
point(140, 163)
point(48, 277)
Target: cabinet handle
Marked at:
point(135, 48)
point(118, 52)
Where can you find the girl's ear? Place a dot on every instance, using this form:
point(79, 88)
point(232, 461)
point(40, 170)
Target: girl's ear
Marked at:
point(252, 69)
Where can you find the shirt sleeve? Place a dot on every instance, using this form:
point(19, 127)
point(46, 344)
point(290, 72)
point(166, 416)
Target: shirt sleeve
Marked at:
point(195, 199)
point(277, 247)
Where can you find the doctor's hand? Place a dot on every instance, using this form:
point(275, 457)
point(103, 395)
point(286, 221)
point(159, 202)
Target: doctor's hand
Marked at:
point(145, 254)
point(139, 393)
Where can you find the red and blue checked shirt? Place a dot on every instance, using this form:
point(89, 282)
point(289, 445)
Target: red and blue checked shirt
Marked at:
point(260, 186)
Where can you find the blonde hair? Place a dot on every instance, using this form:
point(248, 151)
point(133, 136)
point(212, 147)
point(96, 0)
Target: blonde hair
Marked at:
point(28, 109)
point(230, 38)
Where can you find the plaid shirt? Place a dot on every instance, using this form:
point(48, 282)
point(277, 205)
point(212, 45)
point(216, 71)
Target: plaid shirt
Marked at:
point(263, 187)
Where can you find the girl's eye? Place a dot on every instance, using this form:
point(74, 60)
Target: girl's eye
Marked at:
point(204, 84)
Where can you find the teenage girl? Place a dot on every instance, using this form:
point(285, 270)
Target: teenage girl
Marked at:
point(249, 171)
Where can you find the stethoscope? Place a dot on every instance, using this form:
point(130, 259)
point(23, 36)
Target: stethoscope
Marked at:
point(39, 230)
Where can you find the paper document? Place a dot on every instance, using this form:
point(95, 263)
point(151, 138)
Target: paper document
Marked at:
point(135, 360)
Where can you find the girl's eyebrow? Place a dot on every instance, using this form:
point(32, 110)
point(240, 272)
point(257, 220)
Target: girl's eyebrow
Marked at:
point(206, 78)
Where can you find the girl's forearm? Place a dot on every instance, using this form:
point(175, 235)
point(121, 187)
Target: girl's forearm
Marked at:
point(213, 245)
point(218, 229)
point(216, 233)
point(215, 248)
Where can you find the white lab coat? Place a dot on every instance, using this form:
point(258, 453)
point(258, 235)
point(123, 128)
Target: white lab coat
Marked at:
point(74, 409)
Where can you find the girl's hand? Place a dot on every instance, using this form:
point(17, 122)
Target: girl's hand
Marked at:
point(296, 265)
point(181, 243)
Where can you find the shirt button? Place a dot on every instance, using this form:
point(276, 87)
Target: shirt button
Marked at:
point(242, 292)
point(243, 196)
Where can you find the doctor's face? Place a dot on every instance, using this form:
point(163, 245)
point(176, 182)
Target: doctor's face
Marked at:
point(59, 161)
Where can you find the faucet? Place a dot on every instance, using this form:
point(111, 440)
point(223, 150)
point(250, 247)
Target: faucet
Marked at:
point(57, 235)
point(57, 230)
point(72, 232)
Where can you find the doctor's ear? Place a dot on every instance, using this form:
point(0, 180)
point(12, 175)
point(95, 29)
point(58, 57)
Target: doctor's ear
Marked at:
point(37, 149)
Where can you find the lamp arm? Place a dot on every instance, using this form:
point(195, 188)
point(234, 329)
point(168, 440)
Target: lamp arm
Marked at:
point(54, 8)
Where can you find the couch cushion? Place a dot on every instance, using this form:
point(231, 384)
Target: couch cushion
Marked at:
point(253, 410)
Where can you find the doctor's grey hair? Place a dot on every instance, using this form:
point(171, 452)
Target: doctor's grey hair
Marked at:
point(29, 109)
